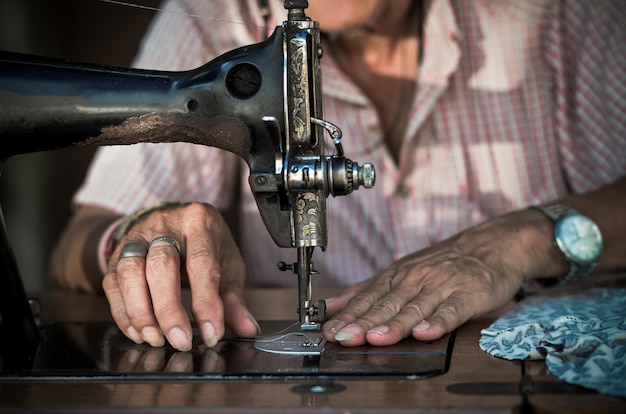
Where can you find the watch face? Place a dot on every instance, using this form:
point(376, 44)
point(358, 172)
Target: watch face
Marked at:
point(579, 238)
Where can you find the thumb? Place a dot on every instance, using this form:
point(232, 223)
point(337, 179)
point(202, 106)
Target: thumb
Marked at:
point(237, 316)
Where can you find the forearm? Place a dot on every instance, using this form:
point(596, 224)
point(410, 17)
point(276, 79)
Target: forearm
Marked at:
point(74, 260)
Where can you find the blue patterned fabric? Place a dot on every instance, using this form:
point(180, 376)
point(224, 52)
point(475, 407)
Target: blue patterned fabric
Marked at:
point(582, 337)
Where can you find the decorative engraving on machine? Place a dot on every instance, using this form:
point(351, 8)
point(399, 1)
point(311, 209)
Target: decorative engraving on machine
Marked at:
point(299, 109)
point(306, 217)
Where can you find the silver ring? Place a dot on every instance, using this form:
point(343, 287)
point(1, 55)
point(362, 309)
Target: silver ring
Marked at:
point(167, 240)
point(133, 249)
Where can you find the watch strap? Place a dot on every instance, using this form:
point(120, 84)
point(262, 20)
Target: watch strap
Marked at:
point(578, 271)
point(555, 210)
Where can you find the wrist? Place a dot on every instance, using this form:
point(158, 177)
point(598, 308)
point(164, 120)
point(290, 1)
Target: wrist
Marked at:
point(133, 218)
point(545, 259)
point(106, 245)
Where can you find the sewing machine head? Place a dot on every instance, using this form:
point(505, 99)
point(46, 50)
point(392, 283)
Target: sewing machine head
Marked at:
point(262, 102)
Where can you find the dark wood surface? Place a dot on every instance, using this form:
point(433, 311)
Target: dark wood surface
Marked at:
point(475, 381)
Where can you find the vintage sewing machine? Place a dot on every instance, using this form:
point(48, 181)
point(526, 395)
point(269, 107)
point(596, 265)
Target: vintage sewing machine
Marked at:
point(262, 102)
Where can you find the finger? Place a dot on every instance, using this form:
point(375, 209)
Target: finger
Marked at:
point(345, 308)
point(409, 318)
point(131, 276)
point(237, 315)
point(419, 304)
point(216, 276)
point(163, 277)
point(213, 310)
point(206, 303)
point(448, 316)
point(431, 329)
point(118, 310)
point(429, 315)
point(372, 307)
point(134, 293)
point(204, 273)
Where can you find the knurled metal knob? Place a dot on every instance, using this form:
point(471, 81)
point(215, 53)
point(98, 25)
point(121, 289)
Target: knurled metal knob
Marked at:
point(366, 175)
point(345, 176)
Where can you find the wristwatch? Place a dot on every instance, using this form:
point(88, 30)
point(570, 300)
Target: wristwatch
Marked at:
point(577, 236)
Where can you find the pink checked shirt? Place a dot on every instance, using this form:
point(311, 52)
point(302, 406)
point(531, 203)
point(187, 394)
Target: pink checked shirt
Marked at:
point(518, 102)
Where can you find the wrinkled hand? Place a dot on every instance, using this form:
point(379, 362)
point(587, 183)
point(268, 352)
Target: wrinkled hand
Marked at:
point(430, 293)
point(145, 294)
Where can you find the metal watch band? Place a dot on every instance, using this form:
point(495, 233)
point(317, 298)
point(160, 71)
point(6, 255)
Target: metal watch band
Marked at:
point(555, 211)
point(578, 271)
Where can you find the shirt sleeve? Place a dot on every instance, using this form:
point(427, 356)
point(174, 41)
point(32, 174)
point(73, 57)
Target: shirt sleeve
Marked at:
point(585, 47)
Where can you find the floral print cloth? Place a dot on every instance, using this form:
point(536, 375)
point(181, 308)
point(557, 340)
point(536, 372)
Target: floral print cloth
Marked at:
point(582, 337)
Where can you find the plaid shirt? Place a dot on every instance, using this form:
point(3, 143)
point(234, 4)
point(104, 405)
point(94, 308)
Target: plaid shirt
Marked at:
point(517, 102)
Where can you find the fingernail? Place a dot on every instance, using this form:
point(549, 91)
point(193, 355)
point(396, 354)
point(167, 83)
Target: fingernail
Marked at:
point(422, 326)
point(254, 321)
point(333, 326)
point(209, 336)
point(179, 339)
point(348, 333)
point(132, 333)
point(153, 336)
point(258, 327)
point(380, 330)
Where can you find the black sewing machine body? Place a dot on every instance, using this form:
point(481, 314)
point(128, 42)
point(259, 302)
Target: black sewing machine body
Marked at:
point(261, 102)
point(50, 104)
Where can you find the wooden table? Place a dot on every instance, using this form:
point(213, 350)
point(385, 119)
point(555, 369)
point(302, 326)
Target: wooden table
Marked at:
point(475, 381)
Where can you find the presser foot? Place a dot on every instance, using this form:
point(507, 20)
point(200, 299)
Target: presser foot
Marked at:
point(293, 343)
point(313, 316)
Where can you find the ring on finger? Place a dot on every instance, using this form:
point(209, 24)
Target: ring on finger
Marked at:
point(166, 239)
point(133, 249)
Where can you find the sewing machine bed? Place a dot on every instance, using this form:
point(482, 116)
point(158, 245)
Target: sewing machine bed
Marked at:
point(99, 351)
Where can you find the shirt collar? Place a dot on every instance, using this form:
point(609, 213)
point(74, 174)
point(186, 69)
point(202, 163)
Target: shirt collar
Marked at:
point(441, 56)
point(440, 43)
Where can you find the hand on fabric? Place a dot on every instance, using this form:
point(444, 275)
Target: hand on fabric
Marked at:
point(430, 293)
point(145, 294)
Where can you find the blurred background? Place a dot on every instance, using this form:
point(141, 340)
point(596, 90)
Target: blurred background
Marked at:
point(35, 189)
